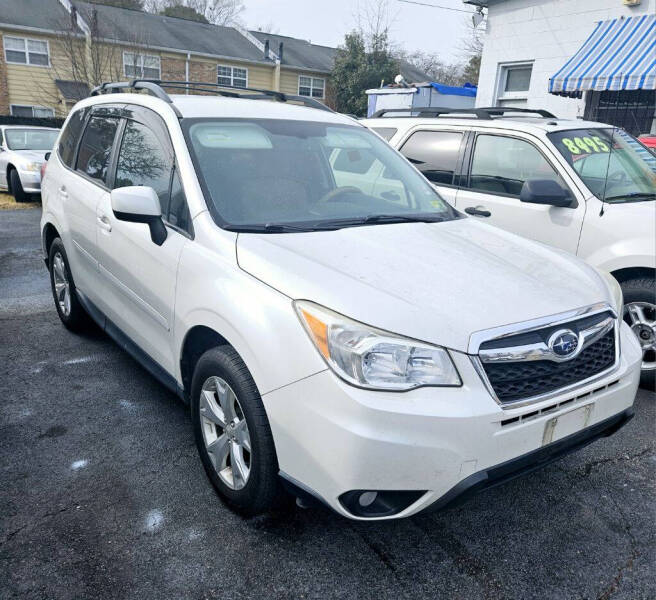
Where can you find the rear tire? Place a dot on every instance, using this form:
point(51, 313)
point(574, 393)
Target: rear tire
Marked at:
point(69, 309)
point(641, 293)
point(17, 187)
point(225, 401)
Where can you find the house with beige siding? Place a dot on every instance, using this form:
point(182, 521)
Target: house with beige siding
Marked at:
point(52, 51)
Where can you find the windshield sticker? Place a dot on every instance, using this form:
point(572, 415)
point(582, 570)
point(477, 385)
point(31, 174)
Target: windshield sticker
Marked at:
point(586, 145)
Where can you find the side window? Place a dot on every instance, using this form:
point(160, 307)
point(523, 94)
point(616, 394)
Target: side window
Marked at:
point(178, 210)
point(145, 159)
point(96, 147)
point(435, 154)
point(2, 139)
point(501, 165)
point(70, 136)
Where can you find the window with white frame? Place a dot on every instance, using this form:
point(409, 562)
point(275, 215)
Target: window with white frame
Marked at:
point(314, 87)
point(26, 51)
point(141, 66)
point(20, 110)
point(514, 83)
point(232, 76)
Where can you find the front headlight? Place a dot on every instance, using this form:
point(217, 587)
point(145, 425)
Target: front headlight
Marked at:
point(32, 166)
point(375, 359)
point(615, 291)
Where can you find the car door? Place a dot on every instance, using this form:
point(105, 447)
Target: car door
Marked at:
point(80, 192)
point(138, 277)
point(499, 164)
point(3, 161)
point(437, 154)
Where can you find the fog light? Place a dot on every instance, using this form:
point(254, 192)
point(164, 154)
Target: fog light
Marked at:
point(378, 503)
point(367, 498)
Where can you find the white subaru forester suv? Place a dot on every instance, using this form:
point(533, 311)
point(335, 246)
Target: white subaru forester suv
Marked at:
point(362, 345)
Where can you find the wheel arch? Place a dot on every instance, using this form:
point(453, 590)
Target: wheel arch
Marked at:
point(633, 273)
point(8, 171)
point(48, 235)
point(198, 340)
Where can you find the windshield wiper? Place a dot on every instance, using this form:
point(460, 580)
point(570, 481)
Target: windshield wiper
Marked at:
point(632, 196)
point(377, 219)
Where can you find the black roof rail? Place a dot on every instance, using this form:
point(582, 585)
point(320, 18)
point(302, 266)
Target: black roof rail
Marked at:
point(432, 111)
point(155, 88)
point(501, 110)
point(486, 113)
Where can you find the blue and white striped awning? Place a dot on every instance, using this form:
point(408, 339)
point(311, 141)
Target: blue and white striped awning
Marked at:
point(619, 55)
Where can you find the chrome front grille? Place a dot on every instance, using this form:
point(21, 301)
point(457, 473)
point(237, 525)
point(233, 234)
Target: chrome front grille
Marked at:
point(530, 364)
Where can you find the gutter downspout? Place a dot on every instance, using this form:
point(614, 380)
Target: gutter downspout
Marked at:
point(187, 71)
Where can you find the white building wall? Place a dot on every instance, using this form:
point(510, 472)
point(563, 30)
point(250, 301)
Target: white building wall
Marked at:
point(547, 32)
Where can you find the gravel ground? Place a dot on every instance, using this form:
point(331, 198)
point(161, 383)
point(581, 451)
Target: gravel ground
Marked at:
point(102, 494)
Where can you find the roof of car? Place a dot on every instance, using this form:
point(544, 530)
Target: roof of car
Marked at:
point(197, 106)
point(528, 124)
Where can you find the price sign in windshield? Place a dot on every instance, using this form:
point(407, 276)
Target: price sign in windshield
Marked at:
point(585, 145)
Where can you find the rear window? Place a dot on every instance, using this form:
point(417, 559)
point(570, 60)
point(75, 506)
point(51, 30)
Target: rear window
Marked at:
point(96, 148)
point(70, 136)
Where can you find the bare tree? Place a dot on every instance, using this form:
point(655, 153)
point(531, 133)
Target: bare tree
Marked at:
point(84, 59)
point(375, 20)
point(437, 69)
point(218, 12)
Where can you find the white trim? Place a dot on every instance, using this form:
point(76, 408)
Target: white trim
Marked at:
point(232, 74)
point(139, 64)
point(32, 106)
point(312, 87)
point(502, 78)
point(27, 62)
point(256, 42)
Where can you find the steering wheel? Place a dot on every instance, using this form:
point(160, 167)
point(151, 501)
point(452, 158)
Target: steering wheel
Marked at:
point(333, 195)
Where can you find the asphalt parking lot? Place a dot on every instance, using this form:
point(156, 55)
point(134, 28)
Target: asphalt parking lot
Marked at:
point(102, 494)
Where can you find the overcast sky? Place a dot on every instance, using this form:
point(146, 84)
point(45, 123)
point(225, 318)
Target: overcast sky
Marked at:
point(326, 21)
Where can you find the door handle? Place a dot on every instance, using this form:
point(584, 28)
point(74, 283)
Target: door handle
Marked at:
point(478, 211)
point(62, 192)
point(103, 223)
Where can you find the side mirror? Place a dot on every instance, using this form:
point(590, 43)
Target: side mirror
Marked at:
point(545, 191)
point(139, 204)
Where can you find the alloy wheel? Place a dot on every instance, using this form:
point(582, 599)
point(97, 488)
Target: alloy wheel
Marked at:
point(641, 317)
point(225, 432)
point(61, 283)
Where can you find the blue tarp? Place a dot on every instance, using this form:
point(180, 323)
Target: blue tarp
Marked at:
point(449, 90)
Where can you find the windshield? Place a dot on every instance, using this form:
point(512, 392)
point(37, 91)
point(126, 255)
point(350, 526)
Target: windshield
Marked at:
point(31, 139)
point(285, 175)
point(613, 164)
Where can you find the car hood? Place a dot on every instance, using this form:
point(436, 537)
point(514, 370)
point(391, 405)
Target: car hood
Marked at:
point(38, 156)
point(437, 282)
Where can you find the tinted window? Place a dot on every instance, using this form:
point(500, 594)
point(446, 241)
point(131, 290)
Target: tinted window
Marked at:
point(96, 147)
point(434, 153)
point(70, 136)
point(385, 132)
point(145, 159)
point(501, 165)
point(178, 211)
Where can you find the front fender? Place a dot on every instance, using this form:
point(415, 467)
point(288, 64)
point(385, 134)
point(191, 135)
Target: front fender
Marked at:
point(257, 321)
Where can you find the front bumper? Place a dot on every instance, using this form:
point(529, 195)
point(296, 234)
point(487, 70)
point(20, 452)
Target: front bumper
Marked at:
point(332, 438)
point(31, 181)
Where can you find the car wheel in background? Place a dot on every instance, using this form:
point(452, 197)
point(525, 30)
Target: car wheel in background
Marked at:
point(17, 187)
point(69, 309)
point(640, 315)
point(232, 432)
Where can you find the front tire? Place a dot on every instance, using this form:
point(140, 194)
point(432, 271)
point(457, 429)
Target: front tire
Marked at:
point(70, 311)
point(17, 187)
point(640, 315)
point(232, 432)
